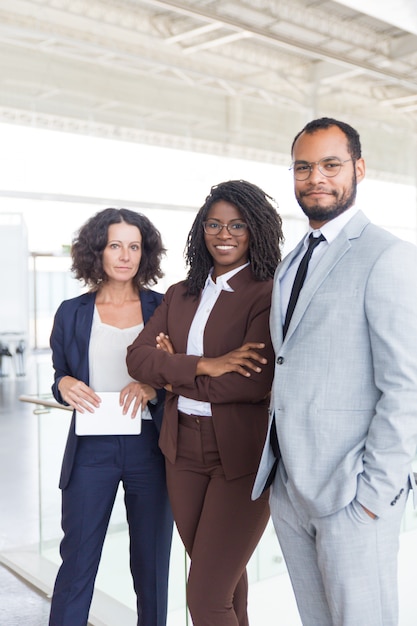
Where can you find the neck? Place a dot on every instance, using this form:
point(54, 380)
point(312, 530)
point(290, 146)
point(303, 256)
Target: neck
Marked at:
point(117, 293)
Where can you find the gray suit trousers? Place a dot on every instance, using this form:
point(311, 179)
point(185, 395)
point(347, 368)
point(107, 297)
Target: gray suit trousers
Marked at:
point(343, 567)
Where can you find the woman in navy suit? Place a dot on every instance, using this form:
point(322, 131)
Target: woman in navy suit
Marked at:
point(117, 254)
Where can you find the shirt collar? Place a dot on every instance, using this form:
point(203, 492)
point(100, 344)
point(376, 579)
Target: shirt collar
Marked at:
point(222, 281)
point(332, 228)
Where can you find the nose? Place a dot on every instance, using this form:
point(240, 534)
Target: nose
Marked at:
point(315, 173)
point(124, 252)
point(224, 233)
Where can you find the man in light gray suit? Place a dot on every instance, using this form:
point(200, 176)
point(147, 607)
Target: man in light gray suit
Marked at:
point(344, 399)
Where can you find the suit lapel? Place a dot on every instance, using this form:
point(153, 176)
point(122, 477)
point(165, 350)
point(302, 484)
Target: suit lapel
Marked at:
point(82, 331)
point(148, 303)
point(332, 256)
point(276, 321)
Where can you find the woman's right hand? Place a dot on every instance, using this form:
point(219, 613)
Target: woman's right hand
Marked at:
point(78, 395)
point(240, 360)
point(163, 343)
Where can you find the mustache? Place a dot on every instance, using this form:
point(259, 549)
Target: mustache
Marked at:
point(331, 192)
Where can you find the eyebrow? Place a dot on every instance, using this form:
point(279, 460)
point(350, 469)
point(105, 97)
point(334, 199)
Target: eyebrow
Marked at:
point(235, 219)
point(322, 159)
point(120, 241)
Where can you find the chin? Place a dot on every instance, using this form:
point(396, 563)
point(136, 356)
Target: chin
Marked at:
point(323, 214)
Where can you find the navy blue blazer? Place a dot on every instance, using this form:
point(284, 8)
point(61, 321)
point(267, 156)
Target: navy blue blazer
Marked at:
point(69, 342)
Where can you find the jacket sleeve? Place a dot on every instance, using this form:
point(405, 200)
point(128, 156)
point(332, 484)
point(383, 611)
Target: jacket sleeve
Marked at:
point(153, 366)
point(150, 300)
point(59, 361)
point(391, 309)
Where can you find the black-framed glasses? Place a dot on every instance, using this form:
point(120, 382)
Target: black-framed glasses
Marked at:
point(328, 166)
point(237, 229)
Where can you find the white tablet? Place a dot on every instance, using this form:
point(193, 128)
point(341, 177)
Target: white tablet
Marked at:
point(108, 419)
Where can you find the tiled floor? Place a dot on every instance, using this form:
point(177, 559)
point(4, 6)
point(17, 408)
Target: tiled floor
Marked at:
point(20, 603)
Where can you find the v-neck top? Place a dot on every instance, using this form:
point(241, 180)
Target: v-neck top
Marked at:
point(107, 356)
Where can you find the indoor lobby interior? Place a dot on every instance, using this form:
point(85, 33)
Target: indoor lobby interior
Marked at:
point(146, 104)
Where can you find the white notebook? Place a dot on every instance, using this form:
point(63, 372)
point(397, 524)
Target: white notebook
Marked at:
point(108, 419)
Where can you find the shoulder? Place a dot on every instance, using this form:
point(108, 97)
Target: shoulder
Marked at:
point(73, 304)
point(245, 282)
point(378, 242)
point(368, 234)
point(152, 297)
point(177, 296)
point(387, 262)
point(151, 300)
point(73, 316)
point(371, 243)
point(178, 289)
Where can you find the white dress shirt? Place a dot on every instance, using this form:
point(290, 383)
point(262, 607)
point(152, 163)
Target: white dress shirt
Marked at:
point(195, 342)
point(330, 230)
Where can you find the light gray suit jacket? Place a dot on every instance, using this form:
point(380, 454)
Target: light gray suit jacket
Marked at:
point(345, 386)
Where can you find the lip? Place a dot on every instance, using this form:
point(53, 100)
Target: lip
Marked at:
point(224, 250)
point(317, 193)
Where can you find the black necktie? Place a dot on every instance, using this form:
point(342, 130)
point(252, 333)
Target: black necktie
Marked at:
point(300, 278)
point(295, 292)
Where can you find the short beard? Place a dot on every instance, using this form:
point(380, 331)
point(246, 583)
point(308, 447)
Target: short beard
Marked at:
point(317, 213)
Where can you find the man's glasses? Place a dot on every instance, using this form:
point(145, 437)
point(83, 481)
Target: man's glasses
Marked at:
point(329, 167)
point(237, 229)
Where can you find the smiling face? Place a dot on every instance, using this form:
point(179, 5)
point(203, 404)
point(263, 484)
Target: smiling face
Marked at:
point(321, 198)
point(228, 251)
point(123, 252)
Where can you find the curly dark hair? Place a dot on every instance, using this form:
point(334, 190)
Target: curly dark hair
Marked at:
point(323, 123)
point(89, 243)
point(258, 210)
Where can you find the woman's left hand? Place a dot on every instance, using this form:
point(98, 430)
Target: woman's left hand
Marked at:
point(136, 394)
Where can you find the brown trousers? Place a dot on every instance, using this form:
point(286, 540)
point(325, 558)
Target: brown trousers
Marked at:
point(218, 522)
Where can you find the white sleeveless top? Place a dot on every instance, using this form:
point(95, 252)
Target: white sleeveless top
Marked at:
point(107, 356)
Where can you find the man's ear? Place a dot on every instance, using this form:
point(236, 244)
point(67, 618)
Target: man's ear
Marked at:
point(360, 169)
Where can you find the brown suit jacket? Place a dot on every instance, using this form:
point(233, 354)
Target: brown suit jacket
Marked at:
point(239, 404)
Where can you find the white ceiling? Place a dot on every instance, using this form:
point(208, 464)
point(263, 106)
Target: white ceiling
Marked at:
point(236, 77)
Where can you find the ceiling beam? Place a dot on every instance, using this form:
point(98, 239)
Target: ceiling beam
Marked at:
point(286, 43)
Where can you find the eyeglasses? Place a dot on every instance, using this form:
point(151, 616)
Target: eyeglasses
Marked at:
point(329, 167)
point(237, 229)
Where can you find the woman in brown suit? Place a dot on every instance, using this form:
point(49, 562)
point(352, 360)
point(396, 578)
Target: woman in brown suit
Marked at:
point(208, 344)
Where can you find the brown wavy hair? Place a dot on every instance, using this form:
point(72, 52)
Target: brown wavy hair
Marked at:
point(89, 243)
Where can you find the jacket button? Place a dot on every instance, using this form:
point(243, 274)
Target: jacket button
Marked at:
point(280, 360)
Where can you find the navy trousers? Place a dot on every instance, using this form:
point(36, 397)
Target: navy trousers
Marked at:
point(101, 463)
